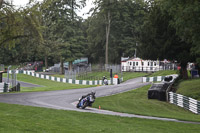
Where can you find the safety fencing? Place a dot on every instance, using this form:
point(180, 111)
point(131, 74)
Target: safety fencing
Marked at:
point(159, 78)
point(185, 102)
point(153, 79)
point(2, 67)
point(64, 80)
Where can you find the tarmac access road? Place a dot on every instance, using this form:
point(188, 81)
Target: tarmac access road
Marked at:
point(22, 84)
point(67, 99)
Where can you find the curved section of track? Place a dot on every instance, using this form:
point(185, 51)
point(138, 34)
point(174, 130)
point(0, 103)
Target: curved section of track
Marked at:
point(66, 99)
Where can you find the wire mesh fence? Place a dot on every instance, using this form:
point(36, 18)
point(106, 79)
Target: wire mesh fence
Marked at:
point(116, 68)
point(13, 78)
point(2, 67)
point(98, 71)
point(88, 77)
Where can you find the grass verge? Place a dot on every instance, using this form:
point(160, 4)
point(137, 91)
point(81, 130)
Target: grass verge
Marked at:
point(136, 102)
point(18, 118)
point(190, 88)
point(99, 75)
point(126, 75)
point(163, 73)
point(131, 75)
point(47, 85)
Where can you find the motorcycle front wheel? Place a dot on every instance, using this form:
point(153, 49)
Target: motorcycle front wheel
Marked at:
point(84, 105)
point(77, 105)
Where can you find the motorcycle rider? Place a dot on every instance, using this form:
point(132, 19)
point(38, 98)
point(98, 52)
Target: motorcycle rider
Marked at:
point(91, 93)
point(105, 81)
point(85, 96)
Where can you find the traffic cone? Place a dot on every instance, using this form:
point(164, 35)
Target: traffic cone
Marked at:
point(99, 107)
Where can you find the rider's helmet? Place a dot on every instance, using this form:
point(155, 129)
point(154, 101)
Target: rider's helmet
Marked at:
point(93, 92)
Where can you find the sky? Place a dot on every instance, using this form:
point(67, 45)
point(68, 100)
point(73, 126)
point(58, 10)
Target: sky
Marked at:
point(82, 13)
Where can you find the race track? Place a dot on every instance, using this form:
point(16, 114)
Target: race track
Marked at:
point(67, 99)
point(63, 99)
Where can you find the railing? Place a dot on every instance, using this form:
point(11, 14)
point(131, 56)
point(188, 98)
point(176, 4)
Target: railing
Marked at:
point(185, 102)
point(64, 80)
point(177, 99)
point(145, 69)
point(153, 79)
point(159, 78)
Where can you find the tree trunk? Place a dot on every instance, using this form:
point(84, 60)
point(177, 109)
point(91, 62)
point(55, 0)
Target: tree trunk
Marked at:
point(72, 10)
point(108, 19)
point(46, 62)
point(61, 66)
point(183, 71)
point(1, 3)
point(70, 66)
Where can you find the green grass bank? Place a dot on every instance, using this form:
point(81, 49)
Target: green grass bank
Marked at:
point(18, 119)
point(99, 75)
point(163, 73)
point(47, 85)
point(136, 102)
point(190, 88)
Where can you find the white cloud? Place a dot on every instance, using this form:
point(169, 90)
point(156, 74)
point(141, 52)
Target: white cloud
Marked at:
point(83, 12)
point(21, 2)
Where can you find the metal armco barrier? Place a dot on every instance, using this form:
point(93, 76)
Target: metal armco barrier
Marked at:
point(158, 78)
point(153, 79)
point(185, 102)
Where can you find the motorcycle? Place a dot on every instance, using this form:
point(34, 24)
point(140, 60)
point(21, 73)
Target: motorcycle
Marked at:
point(86, 100)
point(105, 81)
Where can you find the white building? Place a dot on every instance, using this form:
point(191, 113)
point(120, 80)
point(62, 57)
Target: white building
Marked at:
point(138, 65)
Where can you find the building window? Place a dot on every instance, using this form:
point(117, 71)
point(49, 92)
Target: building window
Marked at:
point(136, 63)
point(142, 63)
point(148, 63)
point(154, 63)
point(130, 63)
point(151, 63)
point(133, 63)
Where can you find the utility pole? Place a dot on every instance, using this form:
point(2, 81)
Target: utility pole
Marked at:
point(135, 55)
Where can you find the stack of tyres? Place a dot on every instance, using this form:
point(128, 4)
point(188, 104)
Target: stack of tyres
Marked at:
point(158, 91)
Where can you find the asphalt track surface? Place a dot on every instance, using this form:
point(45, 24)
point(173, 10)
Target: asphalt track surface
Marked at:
point(67, 99)
point(23, 84)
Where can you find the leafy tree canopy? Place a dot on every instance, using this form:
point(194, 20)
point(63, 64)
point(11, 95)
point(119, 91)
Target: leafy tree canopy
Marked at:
point(16, 24)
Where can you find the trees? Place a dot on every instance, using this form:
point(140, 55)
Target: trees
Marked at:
point(185, 19)
point(103, 12)
point(164, 29)
point(19, 28)
point(63, 29)
point(17, 24)
point(44, 28)
point(126, 28)
point(116, 22)
point(160, 41)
